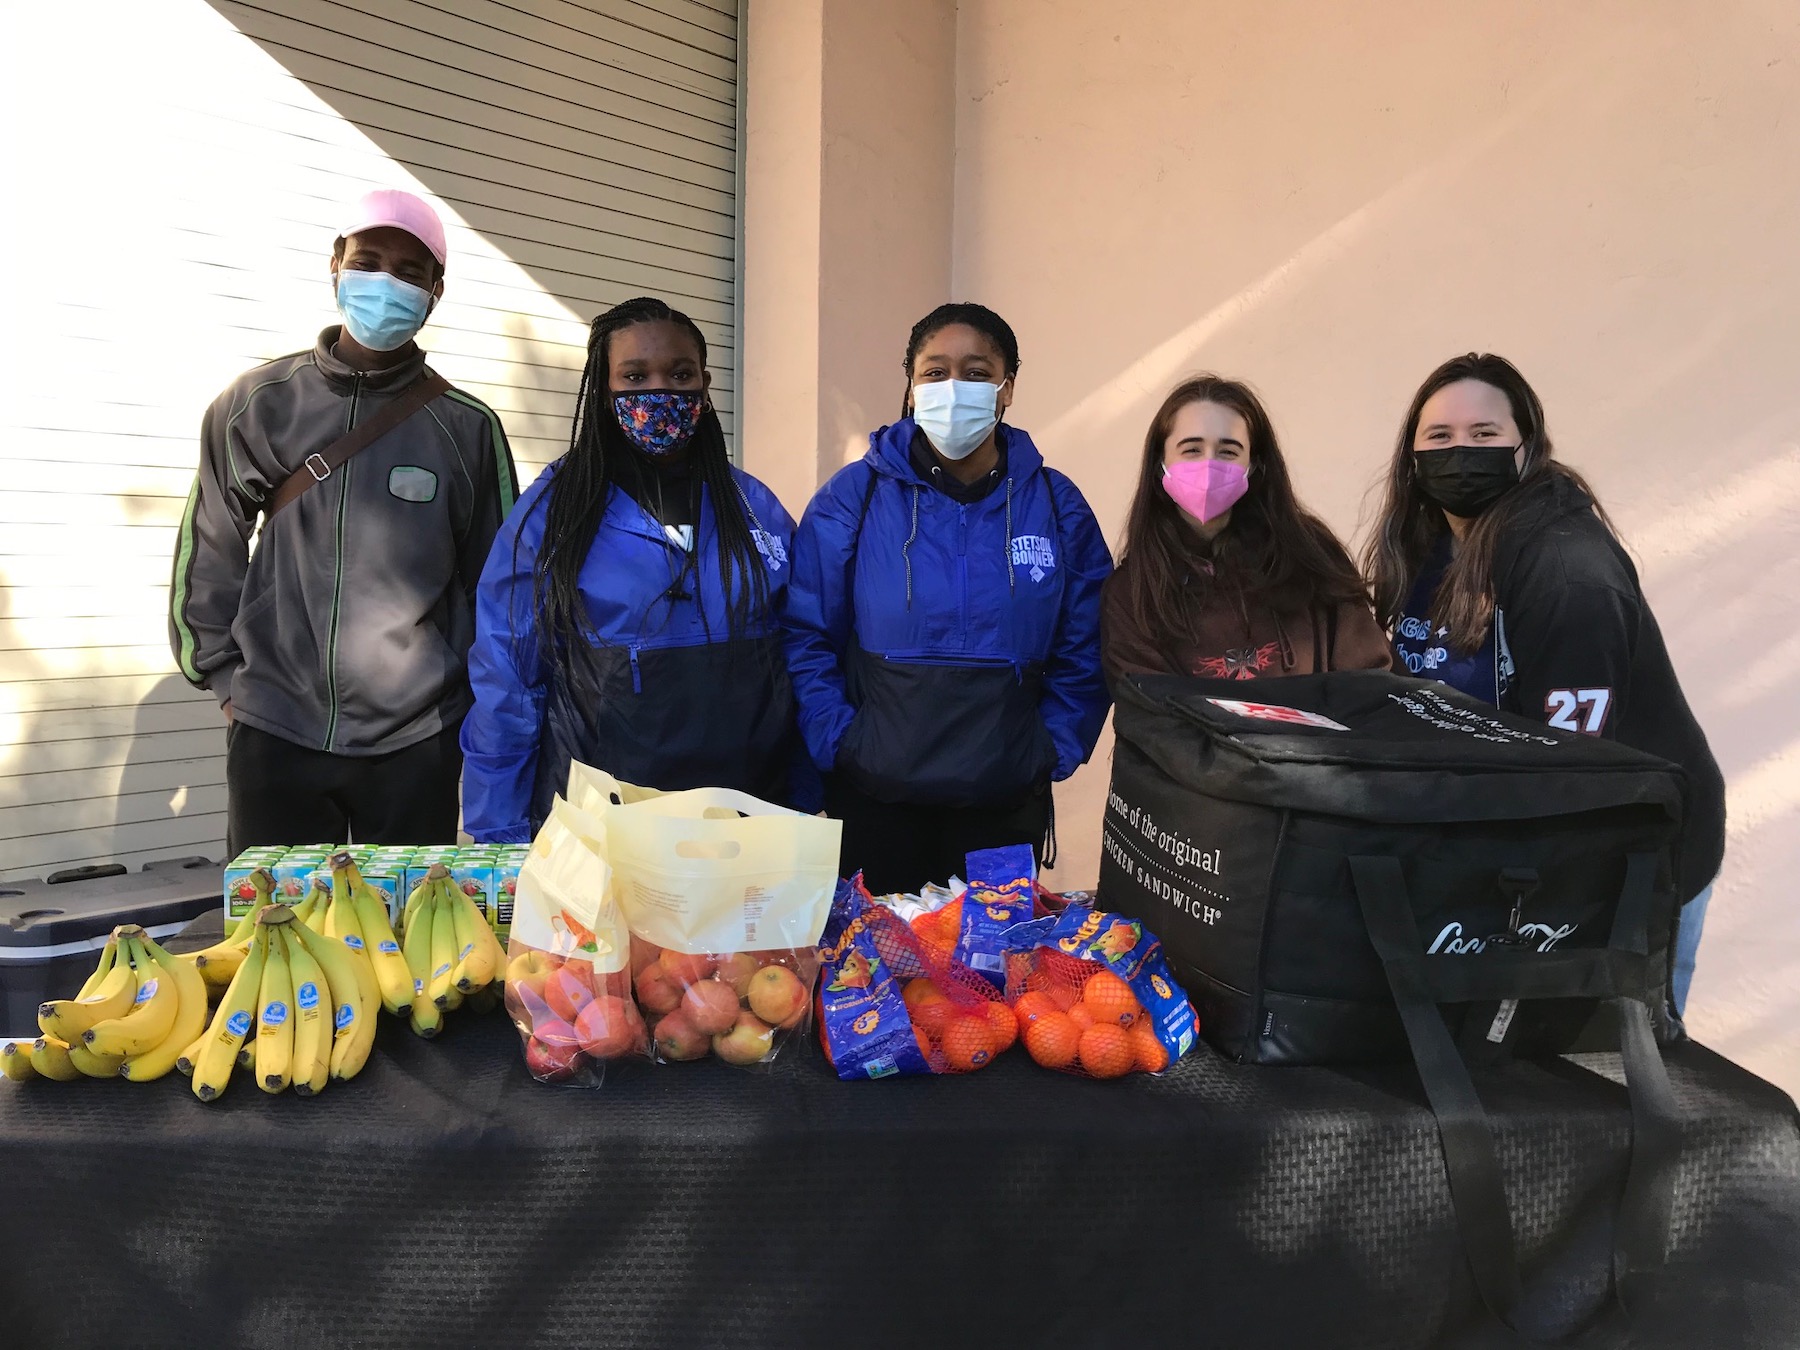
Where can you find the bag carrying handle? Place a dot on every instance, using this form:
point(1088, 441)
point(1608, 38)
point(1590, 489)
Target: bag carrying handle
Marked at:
point(1619, 971)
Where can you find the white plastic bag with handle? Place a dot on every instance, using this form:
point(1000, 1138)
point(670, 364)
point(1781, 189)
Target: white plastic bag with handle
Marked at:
point(727, 896)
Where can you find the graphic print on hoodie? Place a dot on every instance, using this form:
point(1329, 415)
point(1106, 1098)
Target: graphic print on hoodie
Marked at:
point(944, 651)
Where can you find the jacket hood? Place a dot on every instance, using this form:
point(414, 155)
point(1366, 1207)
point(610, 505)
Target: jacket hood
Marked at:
point(408, 362)
point(890, 452)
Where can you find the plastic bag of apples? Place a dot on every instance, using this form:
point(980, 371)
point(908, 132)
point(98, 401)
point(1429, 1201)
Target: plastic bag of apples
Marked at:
point(725, 897)
point(568, 974)
point(1093, 995)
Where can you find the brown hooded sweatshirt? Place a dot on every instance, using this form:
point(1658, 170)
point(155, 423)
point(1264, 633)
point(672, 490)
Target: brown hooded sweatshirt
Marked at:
point(1289, 642)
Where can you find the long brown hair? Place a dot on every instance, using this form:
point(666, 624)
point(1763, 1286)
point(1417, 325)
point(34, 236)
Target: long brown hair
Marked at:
point(1411, 527)
point(1272, 552)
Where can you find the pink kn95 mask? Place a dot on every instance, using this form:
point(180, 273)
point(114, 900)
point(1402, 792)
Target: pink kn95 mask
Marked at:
point(1205, 488)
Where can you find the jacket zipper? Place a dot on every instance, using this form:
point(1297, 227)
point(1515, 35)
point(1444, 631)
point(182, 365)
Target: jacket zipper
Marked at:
point(962, 571)
point(337, 587)
point(637, 676)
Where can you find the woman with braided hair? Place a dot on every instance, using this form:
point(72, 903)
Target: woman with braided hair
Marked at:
point(629, 612)
point(943, 620)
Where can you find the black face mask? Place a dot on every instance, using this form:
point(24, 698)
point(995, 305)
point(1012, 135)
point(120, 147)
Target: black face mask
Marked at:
point(1466, 479)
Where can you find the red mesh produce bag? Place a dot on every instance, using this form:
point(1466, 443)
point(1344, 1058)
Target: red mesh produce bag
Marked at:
point(1093, 995)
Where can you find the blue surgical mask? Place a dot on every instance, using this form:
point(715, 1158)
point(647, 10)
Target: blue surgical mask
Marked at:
point(955, 415)
point(381, 311)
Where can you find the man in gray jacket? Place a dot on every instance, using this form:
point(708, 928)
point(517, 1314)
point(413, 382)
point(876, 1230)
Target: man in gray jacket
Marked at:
point(337, 645)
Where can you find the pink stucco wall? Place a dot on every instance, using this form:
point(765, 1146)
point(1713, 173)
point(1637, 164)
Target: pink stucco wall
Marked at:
point(1329, 199)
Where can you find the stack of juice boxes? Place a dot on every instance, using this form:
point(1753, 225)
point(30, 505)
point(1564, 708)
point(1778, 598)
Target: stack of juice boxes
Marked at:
point(488, 873)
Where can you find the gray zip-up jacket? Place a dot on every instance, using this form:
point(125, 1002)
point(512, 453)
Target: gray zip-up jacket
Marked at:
point(347, 628)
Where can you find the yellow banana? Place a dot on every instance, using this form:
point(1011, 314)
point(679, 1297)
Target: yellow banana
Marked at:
point(416, 946)
point(67, 1018)
point(152, 1015)
point(419, 898)
point(218, 964)
point(51, 1058)
point(245, 927)
point(357, 997)
point(443, 947)
point(384, 952)
point(474, 961)
point(275, 1021)
point(230, 1024)
point(15, 1062)
point(109, 955)
point(340, 916)
point(313, 1008)
point(190, 1017)
point(190, 1056)
point(321, 898)
point(90, 1064)
point(246, 1055)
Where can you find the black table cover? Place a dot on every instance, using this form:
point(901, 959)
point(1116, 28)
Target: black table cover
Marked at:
point(444, 1199)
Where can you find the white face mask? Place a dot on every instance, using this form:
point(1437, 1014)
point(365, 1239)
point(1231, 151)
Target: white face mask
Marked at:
point(955, 415)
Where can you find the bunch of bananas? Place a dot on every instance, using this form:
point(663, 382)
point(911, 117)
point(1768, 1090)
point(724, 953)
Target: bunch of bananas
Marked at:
point(451, 954)
point(131, 1019)
point(300, 1011)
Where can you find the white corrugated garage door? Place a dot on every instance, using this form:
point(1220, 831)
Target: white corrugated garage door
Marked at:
point(199, 157)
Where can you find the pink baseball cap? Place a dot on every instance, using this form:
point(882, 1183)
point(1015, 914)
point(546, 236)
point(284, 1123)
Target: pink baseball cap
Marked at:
point(401, 211)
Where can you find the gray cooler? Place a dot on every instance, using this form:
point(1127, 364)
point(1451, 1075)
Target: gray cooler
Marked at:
point(51, 932)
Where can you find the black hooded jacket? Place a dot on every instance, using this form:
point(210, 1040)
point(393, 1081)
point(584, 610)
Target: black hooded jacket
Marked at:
point(1586, 654)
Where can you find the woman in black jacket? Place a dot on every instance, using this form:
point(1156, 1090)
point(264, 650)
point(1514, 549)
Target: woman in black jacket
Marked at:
point(1498, 573)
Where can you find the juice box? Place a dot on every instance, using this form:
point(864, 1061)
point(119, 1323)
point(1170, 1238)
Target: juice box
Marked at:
point(472, 872)
point(385, 876)
point(506, 885)
point(294, 874)
point(239, 894)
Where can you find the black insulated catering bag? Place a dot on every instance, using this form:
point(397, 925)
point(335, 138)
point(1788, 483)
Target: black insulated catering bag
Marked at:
point(1361, 867)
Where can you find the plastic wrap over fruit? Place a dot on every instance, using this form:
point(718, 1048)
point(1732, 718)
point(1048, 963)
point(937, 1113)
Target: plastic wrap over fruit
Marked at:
point(1092, 995)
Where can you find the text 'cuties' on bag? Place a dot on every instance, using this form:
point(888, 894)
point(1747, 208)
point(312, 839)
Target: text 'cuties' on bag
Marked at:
point(1357, 866)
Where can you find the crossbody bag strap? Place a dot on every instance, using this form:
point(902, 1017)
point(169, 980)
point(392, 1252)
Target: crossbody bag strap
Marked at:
point(321, 464)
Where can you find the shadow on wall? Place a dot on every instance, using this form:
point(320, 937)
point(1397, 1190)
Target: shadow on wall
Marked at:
point(156, 791)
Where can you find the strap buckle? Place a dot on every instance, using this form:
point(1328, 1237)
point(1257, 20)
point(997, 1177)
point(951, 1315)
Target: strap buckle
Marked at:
point(319, 470)
point(1517, 884)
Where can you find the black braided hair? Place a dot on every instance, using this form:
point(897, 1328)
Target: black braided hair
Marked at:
point(585, 478)
point(979, 317)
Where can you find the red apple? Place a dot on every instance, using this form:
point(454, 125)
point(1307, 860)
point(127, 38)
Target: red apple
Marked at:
point(609, 1027)
point(688, 967)
point(549, 1063)
point(567, 993)
point(777, 996)
point(657, 990)
point(677, 1038)
point(736, 972)
point(642, 954)
point(746, 1043)
point(711, 1006)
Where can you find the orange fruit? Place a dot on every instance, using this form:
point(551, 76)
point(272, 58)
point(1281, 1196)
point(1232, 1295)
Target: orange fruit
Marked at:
point(1106, 1051)
point(934, 1014)
point(920, 991)
point(969, 1043)
point(1110, 999)
point(1032, 1005)
point(1004, 1025)
point(924, 1043)
point(1082, 1016)
point(1064, 997)
point(1053, 1040)
point(1149, 1052)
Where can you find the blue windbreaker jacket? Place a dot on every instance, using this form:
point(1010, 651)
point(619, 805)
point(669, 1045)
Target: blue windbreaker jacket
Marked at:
point(945, 653)
point(664, 700)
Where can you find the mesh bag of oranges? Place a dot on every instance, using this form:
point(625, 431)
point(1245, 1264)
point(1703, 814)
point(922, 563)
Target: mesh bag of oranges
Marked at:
point(1092, 995)
point(893, 1002)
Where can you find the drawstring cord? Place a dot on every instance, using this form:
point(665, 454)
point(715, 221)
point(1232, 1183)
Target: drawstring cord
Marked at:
point(1287, 646)
point(1049, 850)
point(1012, 581)
point(906, 548)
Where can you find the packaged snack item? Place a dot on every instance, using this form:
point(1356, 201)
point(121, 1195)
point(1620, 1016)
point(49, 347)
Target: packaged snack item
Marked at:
point(568, 972)
point(1092, 995)
point(240, 895)
point(725, 897)
point(892, 1002)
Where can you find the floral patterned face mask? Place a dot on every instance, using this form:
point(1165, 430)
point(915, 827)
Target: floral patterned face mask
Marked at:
point(659, 421)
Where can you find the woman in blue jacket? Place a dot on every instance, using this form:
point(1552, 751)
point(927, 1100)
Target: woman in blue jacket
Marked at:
point(628, 615)
point(944, 620)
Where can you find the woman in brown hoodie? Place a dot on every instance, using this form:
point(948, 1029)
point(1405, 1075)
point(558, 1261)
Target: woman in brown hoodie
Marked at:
point(1224, 574)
